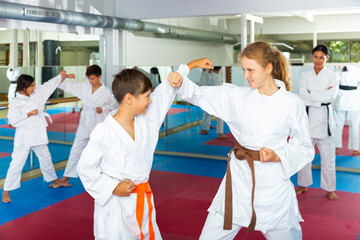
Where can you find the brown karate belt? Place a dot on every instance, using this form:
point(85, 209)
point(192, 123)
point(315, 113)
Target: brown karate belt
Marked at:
point(241, 153)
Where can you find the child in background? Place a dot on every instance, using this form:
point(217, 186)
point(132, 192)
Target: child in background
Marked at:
point(115, 165)
point(27, 115)
point(97, 102)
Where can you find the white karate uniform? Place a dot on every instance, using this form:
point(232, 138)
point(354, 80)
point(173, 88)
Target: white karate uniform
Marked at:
point(211, 79)
point(30, 133)
point(347, 106)
point(319, 121)
point(13, 74)
point(256, 121)
point(112, 156)
point(89, 118)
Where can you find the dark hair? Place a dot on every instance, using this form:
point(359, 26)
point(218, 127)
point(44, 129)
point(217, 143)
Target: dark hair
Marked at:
point(263, 53)
point(130, 81)
point(323, 48)
point(23, 82)
point(93, 70)
point(216, 68)
point(155, 70)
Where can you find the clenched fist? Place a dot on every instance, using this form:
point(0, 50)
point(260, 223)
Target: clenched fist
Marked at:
point(124, 188)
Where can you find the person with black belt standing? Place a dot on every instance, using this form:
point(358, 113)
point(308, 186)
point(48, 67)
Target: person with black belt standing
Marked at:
point(347, 106)
point(318, 87)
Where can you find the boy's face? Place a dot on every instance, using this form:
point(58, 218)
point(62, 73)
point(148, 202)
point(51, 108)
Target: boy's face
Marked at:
point(141, 102)
point(94, 80)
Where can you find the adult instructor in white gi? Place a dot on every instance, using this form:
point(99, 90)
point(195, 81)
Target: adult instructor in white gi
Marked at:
point(318, 87)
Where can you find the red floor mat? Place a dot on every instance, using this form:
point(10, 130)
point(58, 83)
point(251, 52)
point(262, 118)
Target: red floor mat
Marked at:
point(181, 202)
point(68, 122)
point(3, 154)
point(230, 142)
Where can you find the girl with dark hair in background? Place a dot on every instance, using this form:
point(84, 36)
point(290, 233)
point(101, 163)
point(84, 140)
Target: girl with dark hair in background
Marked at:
point(318, 87)
point(27, 115)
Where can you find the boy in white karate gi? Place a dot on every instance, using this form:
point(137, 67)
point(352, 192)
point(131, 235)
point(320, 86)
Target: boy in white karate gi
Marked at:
point(262, 118)
point(97, 102)
point(115, 165)
point(27, 115)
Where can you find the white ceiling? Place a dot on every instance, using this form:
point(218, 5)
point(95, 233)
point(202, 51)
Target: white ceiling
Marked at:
point(145, 9)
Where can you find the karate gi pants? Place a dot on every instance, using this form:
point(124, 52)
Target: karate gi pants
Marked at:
point(352, 118)
point(207, 120)
point(75, 153)
point(19, 156)
point(213, 230)
point(326, 148)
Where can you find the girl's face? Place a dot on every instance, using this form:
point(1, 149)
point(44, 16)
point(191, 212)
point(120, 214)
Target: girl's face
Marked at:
point(30, 90)
point(319, 58)
point(254, 73)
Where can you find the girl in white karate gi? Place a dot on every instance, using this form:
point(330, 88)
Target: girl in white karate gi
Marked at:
point(115, 165)
point(27, 114)
point(97, 102)
point(318, 87)
point(262, 118)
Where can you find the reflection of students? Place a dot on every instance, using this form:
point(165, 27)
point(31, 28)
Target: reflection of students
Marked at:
point(261, 118)
point(115, 165)
point(211, 78)
point(75, 107)
point(318, 87)
point(154, 75)
point(347, 106)
point(97, 103)
point(12, 74)
point(26, 114)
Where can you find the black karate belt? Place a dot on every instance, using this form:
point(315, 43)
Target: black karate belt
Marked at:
point(13, 82)
point(343, 87)
point(328, 113)
point(241, 153)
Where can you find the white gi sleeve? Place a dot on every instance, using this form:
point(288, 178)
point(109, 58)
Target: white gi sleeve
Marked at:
point(75, 88)
point(303, 92)
point(215, 100)
point(162, 98)
point(110, 102)
point(99, 185)
point(299, 150)
point(328, 95)
point(16, 115)
point(44, 91)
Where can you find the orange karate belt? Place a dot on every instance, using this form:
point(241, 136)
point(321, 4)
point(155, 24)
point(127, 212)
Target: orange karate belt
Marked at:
point(241, 153)
point(142, 189)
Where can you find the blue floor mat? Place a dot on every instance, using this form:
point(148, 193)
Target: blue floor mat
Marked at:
point(35, 195)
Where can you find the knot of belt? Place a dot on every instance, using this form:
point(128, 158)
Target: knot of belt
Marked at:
point(141, 190)
point(328, 113)
point(241, 153)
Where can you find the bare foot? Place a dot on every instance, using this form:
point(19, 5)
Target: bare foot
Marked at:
point(301, 190)
point(58, 183)
point(222, 135)
point(332, 196)
point(212, 127)
point(204, 132)
point(355, 153)
point(6, 197)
